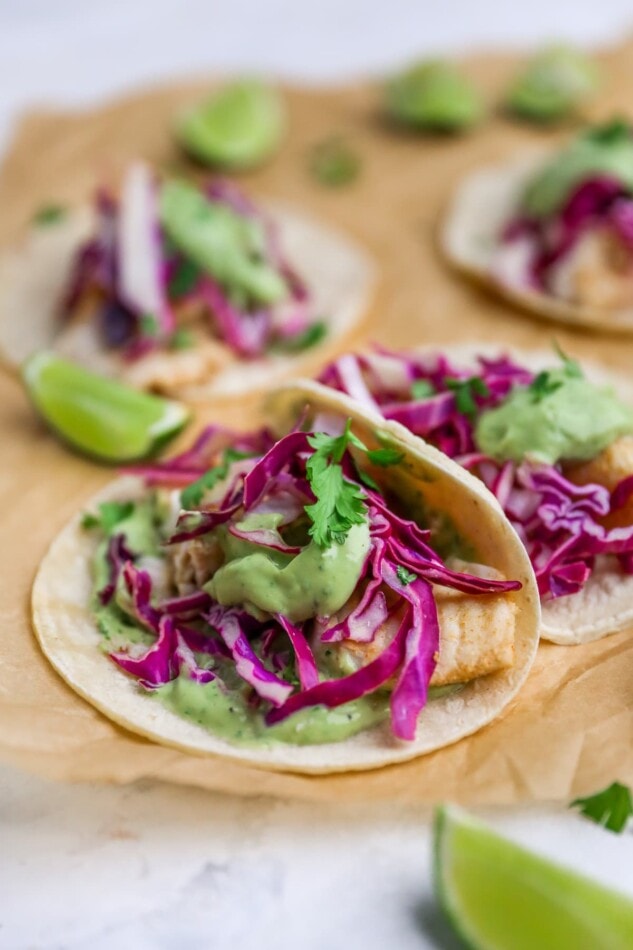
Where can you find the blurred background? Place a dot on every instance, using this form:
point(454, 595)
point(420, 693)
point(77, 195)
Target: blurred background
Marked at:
point(72, 51)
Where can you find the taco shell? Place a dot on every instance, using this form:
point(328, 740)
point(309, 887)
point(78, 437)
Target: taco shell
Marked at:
point(66, 629)
point(482, 204)
point(339, 274)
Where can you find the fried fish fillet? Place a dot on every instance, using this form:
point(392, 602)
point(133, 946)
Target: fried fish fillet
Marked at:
point(476, 634)
point(608, 468)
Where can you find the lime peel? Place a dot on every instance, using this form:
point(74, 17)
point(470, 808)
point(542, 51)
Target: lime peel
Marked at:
point(98, 416)
point(498, 894)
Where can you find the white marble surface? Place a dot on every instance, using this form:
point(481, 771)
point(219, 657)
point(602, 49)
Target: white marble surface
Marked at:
point(149, 867)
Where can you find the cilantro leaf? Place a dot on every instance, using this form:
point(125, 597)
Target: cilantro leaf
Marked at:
point(422, 389)
point(612, 807)
point(465, 391)
point(310, 337)
point(149, 325)
point(192, 495)
point(335, 446)
point(334, 163)
point(340, 503)
point(572, 367)
point(405, 576)
point(548, 381)
point(181, 339)
point(543, 385)
point(110, 513)
point(184, 279)
point(385, 457)
point(366, 479)
point(49, 214)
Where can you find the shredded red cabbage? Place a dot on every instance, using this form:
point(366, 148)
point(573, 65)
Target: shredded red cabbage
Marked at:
point(132, 269)
point(597, 202)
point(559, 522)
point(395, 586)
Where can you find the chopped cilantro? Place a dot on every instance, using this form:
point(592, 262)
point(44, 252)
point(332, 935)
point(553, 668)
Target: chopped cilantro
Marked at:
point(547, 382)
point(572, 367)
point(192, 494)
point(404, 576)
point(184, 279)
point(149, 325)
point(422, 389)
point(110, 513)
point(334, 163)
point(612, 808)
point(49, 214)
point(385, 457)
point(340, 503)
point(181, 339)
point(366, 479)
point(465, 391)
point(303, 341)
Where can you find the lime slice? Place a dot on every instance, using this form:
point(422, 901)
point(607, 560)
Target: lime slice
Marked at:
point(101, 417)
point(500, 896)
point(237, 128)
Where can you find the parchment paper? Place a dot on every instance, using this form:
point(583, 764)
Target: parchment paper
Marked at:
point(571, 729)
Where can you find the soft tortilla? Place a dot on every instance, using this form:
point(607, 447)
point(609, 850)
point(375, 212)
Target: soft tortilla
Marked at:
point(339, 274)
point(605, 604)
point(66, 630)
point(483, 203)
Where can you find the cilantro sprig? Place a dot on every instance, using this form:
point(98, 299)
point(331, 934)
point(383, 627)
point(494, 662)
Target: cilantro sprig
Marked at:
point(422, 389)
point(548, 381)
point(404, 575)
point(192, 495)
point(612, 807)
point(109, 514)
point(340, 503)
point(465, 391)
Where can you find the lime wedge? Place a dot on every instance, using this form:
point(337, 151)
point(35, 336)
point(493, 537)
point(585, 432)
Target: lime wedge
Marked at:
point(500, 896)
point(98, 416)
point(238, 128)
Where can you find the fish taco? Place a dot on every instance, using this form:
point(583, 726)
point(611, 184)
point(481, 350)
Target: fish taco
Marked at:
point(553, 231)
point(324, 594)
point(189, 290)
point(553, 441)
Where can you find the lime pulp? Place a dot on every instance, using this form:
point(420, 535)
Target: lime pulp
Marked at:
point(100, 417)
point(238, 128)
point(500, 895)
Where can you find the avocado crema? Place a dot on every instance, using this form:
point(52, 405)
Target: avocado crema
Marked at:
point(313, 582)
point(567, 418)
point(604, 151)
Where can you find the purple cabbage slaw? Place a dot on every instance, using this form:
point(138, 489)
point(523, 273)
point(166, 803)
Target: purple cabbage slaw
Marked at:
point(598, 202)
point(275, 479)
point(559, 522)
point(131, 267)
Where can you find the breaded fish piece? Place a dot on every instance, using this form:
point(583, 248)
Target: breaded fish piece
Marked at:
point(476, 634)
point(598, 272)
point(608, 468)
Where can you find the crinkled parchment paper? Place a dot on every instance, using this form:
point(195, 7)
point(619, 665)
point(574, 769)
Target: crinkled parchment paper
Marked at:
point(571, 729)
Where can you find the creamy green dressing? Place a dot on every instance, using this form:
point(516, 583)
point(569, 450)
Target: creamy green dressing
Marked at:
point(603, 151)
point(326, 579)
point(575, 420)
point(315, 583)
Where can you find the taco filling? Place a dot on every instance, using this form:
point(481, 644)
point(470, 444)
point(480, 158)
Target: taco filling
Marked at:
point(277, 591)
point(555, 448)
point(194, 274)
point(570, 235)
